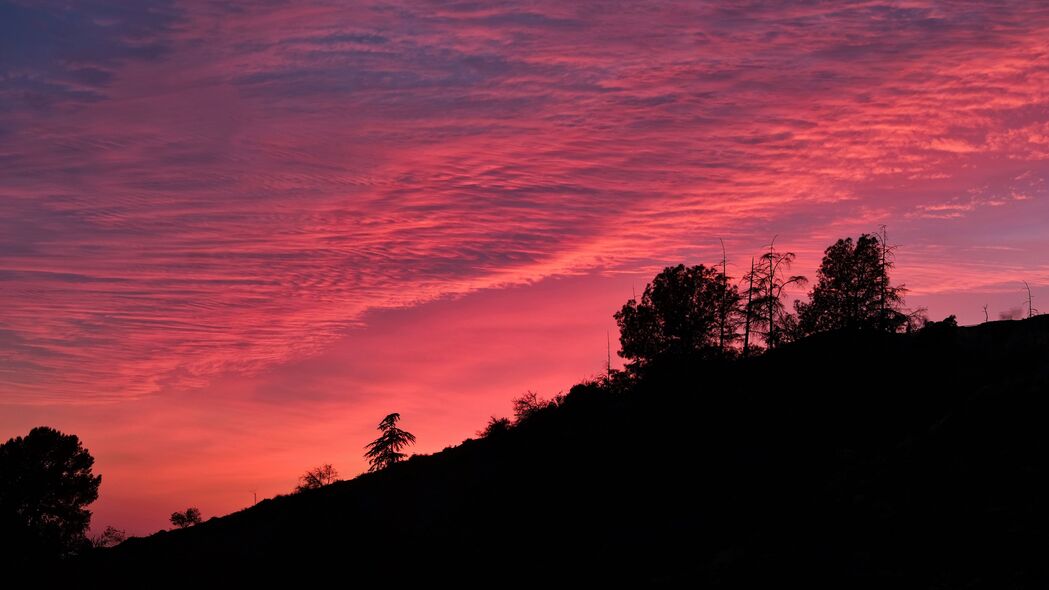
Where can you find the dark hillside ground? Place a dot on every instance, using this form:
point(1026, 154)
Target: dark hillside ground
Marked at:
point(853, 460)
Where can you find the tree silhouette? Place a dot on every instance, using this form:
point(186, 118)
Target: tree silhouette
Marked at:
point(495, 427)
point(853, 290)
point(385, 450)
point(748, 309)
point(186, 519)
point(527, 405)
point(728, 312)
point(111, 537)
point(681, 313)
point(45, 484)
point(317, 477)
point(768, 281)
point(1031, 311)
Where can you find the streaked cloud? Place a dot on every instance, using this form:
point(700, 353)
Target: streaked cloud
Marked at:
point(201, 189)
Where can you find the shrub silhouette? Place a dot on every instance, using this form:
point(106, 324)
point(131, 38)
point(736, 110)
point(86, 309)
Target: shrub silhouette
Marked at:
point(495, 427)
point(186, 519)
point(527, 405)
point(45, 484)
point(110, 537)
point(317, 477)
point(385, 450)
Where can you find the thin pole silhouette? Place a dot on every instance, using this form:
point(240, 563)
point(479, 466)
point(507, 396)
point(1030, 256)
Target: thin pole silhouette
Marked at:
point(885, 273)
point(772, 282)
point(724, 297)
point(750, 297)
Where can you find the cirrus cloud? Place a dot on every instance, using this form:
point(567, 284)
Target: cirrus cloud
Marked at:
point(196, 189)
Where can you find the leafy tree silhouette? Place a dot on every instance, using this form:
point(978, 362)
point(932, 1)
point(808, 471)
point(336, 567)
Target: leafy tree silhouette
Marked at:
point(317, 477)
point(679, 315)
point(45, 484)
point(385, 450)
point(186, 519)
point(853, 290)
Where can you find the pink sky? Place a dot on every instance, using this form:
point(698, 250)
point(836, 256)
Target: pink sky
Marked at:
point(233, 238)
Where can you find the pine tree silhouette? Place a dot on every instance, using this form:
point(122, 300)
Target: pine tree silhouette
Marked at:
point(385, 450)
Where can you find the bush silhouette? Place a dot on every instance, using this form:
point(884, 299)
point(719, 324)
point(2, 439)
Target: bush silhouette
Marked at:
point(527, 405)
point(110, 537)
point(317, 477)
point(495, 427)
point(182, 520)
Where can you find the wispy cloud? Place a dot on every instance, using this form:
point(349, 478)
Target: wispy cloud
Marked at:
point(200, 188)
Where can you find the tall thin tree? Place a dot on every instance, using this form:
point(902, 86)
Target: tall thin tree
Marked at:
point(1031, 311)
point(747, 310)
point(771, 285)
point(723, 311)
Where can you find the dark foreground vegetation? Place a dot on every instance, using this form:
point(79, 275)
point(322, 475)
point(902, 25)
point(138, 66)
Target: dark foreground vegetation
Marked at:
point(850, 458)
point(847, 443)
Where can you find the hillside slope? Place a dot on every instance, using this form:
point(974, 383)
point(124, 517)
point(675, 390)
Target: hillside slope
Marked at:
point(854, 460)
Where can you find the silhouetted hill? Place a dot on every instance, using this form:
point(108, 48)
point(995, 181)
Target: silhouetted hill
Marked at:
point(846, 459)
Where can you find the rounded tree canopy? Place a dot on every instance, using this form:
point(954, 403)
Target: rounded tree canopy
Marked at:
point(45, 485)
point(684, 311)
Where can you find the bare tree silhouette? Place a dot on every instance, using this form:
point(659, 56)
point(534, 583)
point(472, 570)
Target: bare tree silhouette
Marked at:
point(317, 477)
point(1031, 311)
point(748, 309)
point(768, 284)
point(527, 405)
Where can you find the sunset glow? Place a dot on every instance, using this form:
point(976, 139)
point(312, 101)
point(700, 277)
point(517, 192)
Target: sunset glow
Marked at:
point(234, 236)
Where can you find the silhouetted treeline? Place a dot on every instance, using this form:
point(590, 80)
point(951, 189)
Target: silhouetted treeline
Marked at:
point(698, 312)
point(867, 448)
point(850, 459)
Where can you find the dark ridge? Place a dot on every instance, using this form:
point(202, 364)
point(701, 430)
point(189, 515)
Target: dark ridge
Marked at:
point(853, 460)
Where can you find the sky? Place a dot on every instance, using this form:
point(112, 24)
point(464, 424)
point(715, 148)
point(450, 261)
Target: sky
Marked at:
point(235, 235)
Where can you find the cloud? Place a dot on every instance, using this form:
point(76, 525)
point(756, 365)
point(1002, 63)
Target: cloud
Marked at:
point(55, 55)
point(197, 190)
